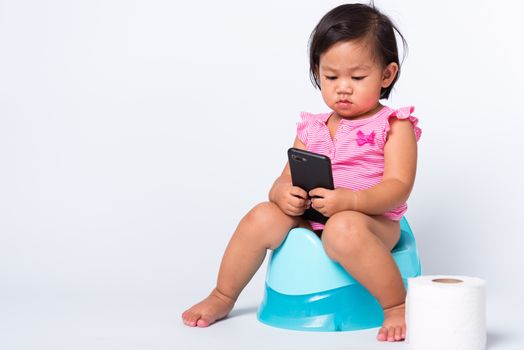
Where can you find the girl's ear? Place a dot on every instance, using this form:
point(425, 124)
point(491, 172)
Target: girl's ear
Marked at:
point(389, 74)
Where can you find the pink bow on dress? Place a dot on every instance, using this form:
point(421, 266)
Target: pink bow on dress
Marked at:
point(362, 138)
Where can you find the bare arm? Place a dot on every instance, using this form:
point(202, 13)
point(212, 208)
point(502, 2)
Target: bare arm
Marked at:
point(400, 164)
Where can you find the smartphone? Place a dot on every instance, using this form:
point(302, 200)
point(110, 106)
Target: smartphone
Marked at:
point(308, 171)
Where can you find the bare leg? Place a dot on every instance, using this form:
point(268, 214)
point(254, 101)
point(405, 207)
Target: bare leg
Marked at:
point(362, 245)
point(264, 227)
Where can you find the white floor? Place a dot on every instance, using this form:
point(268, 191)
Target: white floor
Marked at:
point(43, 320)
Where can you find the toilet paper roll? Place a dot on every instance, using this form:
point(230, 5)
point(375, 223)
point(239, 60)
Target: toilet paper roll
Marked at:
point(446, 312)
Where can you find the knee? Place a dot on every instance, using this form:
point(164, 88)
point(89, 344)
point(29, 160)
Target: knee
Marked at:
point(260, 215)
point(345, 234)
point(263, 223)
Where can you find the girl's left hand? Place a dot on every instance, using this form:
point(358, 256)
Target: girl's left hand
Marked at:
point(329, 202)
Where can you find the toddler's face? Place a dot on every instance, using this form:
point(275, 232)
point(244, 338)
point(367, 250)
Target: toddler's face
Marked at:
point(351, 79)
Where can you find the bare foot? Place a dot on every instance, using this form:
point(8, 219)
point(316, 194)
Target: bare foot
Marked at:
point(213, 308)
point(394, 326)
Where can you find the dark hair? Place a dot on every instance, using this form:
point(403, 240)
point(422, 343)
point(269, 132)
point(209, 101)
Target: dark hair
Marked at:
point(355, 22)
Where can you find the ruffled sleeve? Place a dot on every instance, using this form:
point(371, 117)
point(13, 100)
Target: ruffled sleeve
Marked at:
point(303, 126)
point(403, 113)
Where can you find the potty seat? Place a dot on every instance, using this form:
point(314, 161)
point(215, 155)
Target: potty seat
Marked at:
point(306, 290)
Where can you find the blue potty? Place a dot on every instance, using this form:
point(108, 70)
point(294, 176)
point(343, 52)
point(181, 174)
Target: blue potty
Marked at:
point(306, 290)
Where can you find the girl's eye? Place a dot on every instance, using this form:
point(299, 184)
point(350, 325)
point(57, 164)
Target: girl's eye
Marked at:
point(331, 77)
point(358, 78)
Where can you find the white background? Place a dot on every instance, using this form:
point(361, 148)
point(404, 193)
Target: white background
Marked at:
point(134, 135)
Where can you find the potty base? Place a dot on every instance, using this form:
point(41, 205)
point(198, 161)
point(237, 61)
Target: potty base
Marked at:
point(332, 310)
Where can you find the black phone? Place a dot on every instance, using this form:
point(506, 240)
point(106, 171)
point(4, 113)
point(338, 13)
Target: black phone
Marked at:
point(308, 171)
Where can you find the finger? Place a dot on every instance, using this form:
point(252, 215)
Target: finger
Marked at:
point(296, 202)
point(317, 192)
point(288, 211)
point(291, 210)
point(318, 203)
point(298, 192)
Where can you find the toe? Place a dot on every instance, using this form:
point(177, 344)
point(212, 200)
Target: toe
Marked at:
point(193, 319)
point(190, 317)
point(398, 333)
point(382, 334)
point(391, 334)
point(185, 316)
point(203, 323)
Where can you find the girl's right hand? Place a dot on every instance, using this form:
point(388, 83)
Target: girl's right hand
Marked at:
point(292, 200)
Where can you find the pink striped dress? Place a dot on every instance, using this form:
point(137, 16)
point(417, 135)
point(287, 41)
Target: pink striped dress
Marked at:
point(357, 149)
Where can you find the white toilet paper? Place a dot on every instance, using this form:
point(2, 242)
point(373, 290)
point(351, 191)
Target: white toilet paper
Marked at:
point(446, 312)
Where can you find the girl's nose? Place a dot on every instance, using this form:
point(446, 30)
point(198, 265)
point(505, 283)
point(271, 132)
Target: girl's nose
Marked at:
point(344, 87)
